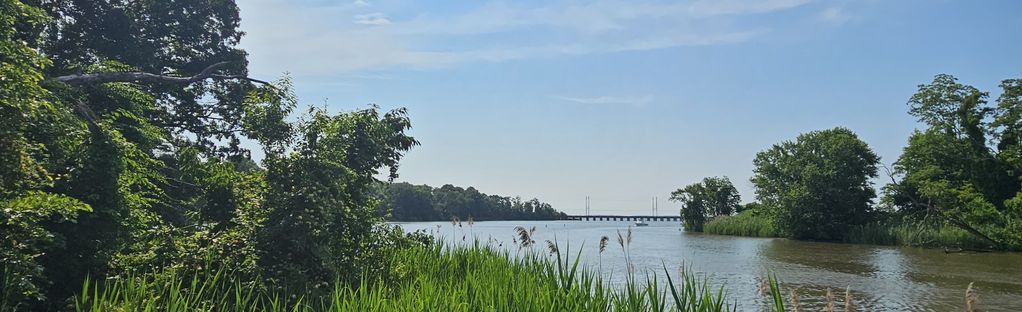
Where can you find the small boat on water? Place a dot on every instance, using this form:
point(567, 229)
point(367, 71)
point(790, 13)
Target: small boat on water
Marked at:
point(641, 223)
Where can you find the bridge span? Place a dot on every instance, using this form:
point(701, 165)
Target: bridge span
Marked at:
point(623, 218)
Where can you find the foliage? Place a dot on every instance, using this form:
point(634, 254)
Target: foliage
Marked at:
point(963, 168)
point(913, 234)
point(713, 196)
point(817, 186)
point(107, 179)
point(320, 212)
point(477, 277)
point(409, 202)
point(746, 223)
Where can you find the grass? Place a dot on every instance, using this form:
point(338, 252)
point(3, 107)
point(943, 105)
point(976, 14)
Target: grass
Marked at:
point(436, 278)
point(476, 277)
point(876, 233)
point(742, 224)
point(920, 235)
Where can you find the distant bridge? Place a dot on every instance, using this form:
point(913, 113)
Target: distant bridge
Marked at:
point(623, 218)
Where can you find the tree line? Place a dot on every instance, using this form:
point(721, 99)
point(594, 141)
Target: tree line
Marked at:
point(408, 202)
point(962, 169)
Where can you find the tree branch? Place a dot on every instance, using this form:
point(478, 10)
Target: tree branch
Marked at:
point(143, 77)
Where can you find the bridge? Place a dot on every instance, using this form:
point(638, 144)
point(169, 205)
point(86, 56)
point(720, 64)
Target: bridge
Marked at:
point(622, 218)
point(654, 217)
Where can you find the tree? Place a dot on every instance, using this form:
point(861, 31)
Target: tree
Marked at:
point(712, 197)
point(817, 186)
point(120, 152)
point(963, 168)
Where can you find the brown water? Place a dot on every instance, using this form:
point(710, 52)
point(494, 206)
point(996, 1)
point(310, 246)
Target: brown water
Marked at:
point(880, 278)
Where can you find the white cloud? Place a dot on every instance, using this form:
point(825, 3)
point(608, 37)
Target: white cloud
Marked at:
point(361, 3)
point(609, 100)
point(308, 39)
point(833, 15)
point(371, 19)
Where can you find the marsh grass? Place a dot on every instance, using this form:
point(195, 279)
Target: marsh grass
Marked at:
point(743, 224)
point(909, 234)
point(474, 277)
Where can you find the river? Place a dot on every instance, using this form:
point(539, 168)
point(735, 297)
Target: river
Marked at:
point(881, 278)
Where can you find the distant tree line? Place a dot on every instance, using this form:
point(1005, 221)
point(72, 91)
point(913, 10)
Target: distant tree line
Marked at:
point(408, 202)
point(962, 169)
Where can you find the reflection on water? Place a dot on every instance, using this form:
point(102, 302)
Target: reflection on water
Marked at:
point(880, 278)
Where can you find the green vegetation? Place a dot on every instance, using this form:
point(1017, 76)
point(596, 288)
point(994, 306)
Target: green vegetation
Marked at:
point(909, 234)
point(701, 201)
point(409, 202)
point(429, 278)
point(955, 185)
point(743, 224)
point(817, 186)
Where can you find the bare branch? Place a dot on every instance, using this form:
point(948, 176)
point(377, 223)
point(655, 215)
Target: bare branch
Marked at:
point(143, 77)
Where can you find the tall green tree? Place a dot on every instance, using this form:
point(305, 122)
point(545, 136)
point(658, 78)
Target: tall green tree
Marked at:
point(817, 186)
point(711, 197)
point(963, 167)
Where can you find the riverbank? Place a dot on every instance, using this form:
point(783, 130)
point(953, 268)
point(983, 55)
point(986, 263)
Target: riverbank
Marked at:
point(876, 233)
point(430, 278)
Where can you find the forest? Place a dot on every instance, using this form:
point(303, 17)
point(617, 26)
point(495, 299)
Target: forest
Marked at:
point(408, 202)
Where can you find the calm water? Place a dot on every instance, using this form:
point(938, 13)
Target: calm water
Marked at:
point(881, 278)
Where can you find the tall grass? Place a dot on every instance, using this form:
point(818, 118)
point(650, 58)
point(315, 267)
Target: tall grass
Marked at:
point(910, 234)
point(467, 278)
point(743, 224)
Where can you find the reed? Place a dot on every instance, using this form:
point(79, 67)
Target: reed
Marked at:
point(913, 234)
point(970, 299)
point(445, 278)
point(743, 224)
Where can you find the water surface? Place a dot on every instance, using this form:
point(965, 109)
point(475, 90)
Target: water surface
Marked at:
point(881, 278)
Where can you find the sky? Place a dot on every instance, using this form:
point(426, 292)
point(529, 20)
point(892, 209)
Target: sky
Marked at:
point(624, 101)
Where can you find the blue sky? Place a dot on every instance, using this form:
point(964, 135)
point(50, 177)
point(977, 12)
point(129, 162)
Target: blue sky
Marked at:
point(625, 100)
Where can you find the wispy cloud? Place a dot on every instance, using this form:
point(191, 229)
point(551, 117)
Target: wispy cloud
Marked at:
point(833, 15)
point(371, 19)
point(307, 39)
point(609, 100)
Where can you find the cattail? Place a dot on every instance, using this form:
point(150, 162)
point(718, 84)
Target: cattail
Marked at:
point(550, 246)
point(603, 243)
point(830, 301)
point(848, 300)
point(794, 301)
point(970, 299)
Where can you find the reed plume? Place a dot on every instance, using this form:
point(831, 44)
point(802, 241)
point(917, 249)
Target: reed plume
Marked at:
point(629, 235)
point(763, 288)
point(795, 304)
point(970, 299)
point(471, 221)
point(830, 301)
point(551, 247)
point(620, 239)
point(848, 300)
point(603, 243)
point(525, 236)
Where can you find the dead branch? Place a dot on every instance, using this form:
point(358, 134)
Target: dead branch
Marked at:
point(143, 77)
